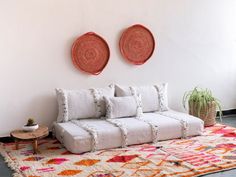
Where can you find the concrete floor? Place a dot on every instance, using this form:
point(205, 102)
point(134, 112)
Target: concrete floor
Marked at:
point(230, 120)
point(4, 170)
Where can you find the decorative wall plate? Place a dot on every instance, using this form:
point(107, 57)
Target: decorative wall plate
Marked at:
point(90, 53)
point(137, 44)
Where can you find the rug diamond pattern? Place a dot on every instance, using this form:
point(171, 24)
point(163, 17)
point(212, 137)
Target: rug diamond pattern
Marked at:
point(214, 151)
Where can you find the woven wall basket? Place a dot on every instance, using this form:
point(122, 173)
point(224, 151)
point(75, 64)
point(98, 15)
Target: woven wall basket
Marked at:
point(90, 53)
point(137, 44)
point(208, 115)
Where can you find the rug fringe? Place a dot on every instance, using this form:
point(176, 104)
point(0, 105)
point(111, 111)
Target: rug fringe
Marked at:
point(10, 163)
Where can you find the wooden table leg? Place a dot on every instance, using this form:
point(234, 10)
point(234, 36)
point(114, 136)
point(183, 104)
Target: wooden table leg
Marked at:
point(17, 143)
point(35, 146)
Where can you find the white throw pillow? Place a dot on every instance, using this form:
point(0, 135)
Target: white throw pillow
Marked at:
point(128, 106)
point(154, 98)
point(82, 104)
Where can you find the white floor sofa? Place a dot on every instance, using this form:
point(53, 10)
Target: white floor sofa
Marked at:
point(96, 131)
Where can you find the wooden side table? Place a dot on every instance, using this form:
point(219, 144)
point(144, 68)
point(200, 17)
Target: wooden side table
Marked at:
point(20, 135)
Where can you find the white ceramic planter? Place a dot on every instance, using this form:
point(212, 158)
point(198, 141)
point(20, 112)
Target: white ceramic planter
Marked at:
point(30, 128)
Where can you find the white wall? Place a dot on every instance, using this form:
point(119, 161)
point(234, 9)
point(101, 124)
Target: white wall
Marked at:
point(196, 45)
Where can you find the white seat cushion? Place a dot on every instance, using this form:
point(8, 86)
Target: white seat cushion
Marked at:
point(78, 140)
point(170, 128)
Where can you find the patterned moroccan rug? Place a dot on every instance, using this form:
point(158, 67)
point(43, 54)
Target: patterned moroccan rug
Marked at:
point(214, 151)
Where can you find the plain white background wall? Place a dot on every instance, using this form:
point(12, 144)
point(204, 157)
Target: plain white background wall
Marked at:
point(196, 46)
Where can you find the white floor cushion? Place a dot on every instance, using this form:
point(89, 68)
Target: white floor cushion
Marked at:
point(108, 135)
point(77, 140)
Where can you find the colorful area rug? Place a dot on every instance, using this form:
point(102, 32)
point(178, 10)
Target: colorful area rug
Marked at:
point(214, 151)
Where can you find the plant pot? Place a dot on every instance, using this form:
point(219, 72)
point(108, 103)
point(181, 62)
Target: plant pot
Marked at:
point(207, 114)
point(30, 128)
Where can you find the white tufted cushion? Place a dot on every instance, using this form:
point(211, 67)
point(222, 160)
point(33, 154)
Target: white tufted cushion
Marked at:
point(154, 98)
point(128, 106)
point(83, 103)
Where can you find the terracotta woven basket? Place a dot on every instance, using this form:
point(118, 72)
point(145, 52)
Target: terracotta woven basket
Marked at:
point(90, 53)
point(137, 44)
point(208, 115)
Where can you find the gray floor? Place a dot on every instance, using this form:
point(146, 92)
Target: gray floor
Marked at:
point(230, 120)
point(4, 170)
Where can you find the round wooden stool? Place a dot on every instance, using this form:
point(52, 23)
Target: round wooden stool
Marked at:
point(20, 135)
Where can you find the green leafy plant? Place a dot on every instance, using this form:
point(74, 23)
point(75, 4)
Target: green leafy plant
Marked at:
point(201, 100)
point(30, 122)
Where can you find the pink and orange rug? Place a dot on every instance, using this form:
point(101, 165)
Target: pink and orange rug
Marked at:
point(214, 151)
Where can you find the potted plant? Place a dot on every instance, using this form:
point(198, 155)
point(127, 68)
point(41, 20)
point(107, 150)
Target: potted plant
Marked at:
point(202, 104)
point(31, 125)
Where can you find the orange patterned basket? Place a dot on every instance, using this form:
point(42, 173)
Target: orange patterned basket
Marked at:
point(137, 44)
point(90, 53)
